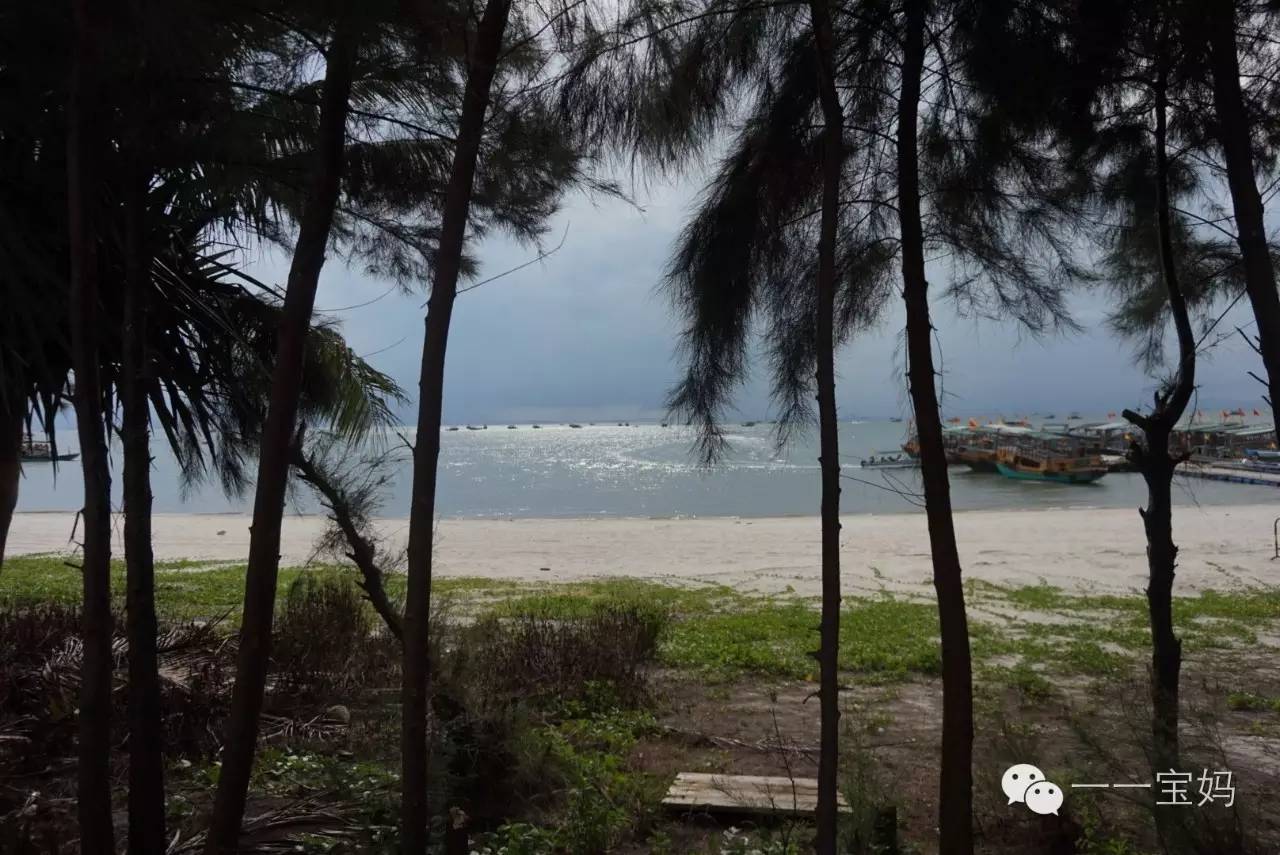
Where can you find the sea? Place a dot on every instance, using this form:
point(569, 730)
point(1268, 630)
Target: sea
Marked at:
point(643, 470)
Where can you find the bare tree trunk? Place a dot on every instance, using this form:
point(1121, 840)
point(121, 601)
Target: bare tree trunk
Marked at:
point(1251, 234)
point(146, 754)
point(829, 439)
point(415, 687)
point(84, 150)
point(241, 735)
point(11, 425)
point(956, 787)
point(1157, 468)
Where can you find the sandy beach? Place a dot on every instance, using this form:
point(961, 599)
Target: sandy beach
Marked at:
point(1221, 547)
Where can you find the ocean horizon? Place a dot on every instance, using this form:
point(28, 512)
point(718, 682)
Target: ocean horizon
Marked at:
point(641, 469)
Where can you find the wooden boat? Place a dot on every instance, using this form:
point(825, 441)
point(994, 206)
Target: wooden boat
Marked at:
point(35, 451)
point(977, 458)
point(1025, 464)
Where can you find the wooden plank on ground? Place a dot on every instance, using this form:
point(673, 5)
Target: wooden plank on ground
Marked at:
point(744, 794)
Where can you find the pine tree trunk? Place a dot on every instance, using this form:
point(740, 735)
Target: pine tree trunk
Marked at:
point(829, 440)
point(11, 425)
point(362, 549)
point(146, 754)
point(84, 148)
point(1157, 468)
point(415, 687)
point(241, 734)
point(1251, 234)
point(956, 786)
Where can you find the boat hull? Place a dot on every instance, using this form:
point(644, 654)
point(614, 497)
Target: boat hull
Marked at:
point(48, 458)
point(1083, 476)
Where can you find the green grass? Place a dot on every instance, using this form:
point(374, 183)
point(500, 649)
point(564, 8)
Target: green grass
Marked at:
point(720, 633)
point(184, 590)
point(1249, 702)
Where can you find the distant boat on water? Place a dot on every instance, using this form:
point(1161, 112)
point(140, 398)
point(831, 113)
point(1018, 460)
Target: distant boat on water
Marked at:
point(575, 426)
point(889, 460)
point(511, 427)
point(748, 424)
point(895, 419)
point(537, 427)
point(453, 428)
point(35, 451)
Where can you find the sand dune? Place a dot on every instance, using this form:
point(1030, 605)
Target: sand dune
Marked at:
point(1221, 547)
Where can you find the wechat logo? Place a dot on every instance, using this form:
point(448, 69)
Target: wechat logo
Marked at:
point(1027, 784)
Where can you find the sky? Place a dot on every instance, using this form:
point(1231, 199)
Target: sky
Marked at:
point(585, 334)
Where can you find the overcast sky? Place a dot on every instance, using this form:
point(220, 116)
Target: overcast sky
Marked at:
point(586, 335)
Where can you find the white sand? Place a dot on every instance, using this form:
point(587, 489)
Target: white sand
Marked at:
point(1221, 547)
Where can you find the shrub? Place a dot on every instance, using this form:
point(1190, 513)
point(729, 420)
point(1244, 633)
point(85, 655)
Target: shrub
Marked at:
point(328, 638)
point(536, 655)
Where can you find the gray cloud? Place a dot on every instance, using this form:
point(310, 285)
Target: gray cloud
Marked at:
point(586, 334)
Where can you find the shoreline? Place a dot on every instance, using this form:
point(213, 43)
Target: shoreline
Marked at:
point(1221, 547)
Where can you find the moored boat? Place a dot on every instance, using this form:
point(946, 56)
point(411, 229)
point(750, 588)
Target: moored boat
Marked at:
point(1025, 464)
point(976, 457)
point(35, 451)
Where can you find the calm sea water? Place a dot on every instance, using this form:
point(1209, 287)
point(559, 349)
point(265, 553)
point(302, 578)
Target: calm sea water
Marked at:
point(647, 470)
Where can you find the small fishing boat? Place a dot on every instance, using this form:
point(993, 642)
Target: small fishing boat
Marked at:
point(575, 426)
point(511, 427)
point(748, 424)
point(889, 460)
point(1025, 464)
point(1073, 417)
point(452, 428)
point(473, 427)
point(537, 427)
point(895, 419)
point(35, 451)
